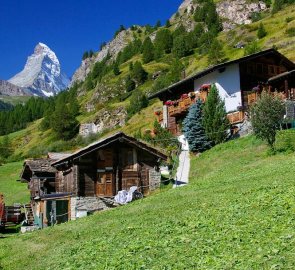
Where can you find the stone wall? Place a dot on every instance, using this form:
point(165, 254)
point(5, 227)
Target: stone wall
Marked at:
point(90, 204)
point(155, 179)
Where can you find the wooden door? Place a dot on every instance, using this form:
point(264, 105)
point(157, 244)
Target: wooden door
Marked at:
point(105, 185)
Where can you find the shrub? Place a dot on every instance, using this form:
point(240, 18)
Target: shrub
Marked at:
point(266, 117)
point(261, 32)
point(251, 48)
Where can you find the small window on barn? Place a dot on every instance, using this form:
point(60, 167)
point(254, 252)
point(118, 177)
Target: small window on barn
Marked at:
point(278, 70)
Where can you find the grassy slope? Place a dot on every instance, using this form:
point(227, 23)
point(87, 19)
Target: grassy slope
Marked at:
point(237, 213)
point(14, 192)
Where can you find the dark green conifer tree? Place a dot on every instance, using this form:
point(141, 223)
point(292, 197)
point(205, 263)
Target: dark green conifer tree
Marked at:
point(147, 51)
point(193, 129)
point(64, 124)
point(164, 41)
point(261, 32)
point(116, 69)
point(168, 24)
point(138, 73)
point(215, 54)
point(215, 119)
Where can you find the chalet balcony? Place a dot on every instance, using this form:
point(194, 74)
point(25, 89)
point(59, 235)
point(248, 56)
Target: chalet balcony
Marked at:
point(289, 95)
point(181, 106)
point(236, 117)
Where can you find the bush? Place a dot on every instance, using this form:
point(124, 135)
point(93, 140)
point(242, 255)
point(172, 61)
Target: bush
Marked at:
point(252, 48)
point(266, 116)
point(261, 32)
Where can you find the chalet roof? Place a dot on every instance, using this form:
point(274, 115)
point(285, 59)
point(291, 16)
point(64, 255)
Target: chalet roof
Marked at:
point(40, 165)
point(57, 156)
point(222, 66)
point(282, 75)
point(121, 137)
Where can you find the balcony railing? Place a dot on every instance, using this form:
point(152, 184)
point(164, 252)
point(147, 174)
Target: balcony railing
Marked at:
point(181, 106)
point(236, 117)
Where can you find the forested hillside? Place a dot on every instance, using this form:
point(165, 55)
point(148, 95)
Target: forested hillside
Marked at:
point(115, 89)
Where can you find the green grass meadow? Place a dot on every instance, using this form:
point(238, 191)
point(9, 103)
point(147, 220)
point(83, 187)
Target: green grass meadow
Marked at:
point(14, 192)
point(238, 212)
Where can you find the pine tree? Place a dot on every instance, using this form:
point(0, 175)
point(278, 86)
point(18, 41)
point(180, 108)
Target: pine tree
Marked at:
point(147, 50)
point(158, 24)
point(164, 41)
point(64, 124)
point(215, 121)
point(5, 147)
point(116, 69)
point(261, 32)
point(181, 47)
point(168, 24)
point(85, 55)
point(129, 84)
point(193, 129)
point(138, 73)
point(215, 54)
point(138, 101)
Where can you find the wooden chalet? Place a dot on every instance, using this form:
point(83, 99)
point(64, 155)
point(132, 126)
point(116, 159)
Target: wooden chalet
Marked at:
point(239, 83)
point(81, 182)
point(40, 177)
point(108, 166)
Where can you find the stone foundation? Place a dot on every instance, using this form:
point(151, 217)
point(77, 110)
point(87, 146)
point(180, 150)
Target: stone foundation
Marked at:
point(89, 204)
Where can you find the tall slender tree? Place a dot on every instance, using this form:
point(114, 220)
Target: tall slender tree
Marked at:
point(215, 120)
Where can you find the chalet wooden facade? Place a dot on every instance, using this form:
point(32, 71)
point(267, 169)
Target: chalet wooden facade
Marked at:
point(108, 166)
point(80, 182)
point(239, 83)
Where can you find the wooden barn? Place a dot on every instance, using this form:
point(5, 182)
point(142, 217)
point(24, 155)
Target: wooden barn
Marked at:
point(108, 166)
point(239, 83)
point(40, 177)
point(88, 179)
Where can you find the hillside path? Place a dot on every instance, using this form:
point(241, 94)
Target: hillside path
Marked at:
point(182, 174)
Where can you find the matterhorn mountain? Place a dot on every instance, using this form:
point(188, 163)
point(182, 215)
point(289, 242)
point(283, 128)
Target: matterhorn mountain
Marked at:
point(42, 75)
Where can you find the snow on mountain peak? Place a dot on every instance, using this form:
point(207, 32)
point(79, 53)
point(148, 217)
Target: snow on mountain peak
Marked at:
point(42, 73)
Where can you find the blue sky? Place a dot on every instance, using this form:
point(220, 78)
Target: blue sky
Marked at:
point(69, 27)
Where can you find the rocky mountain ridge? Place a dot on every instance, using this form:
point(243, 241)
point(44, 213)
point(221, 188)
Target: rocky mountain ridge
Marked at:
point(42, 74)
point(9, 89)
point(233, 13)
point(112, 49)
